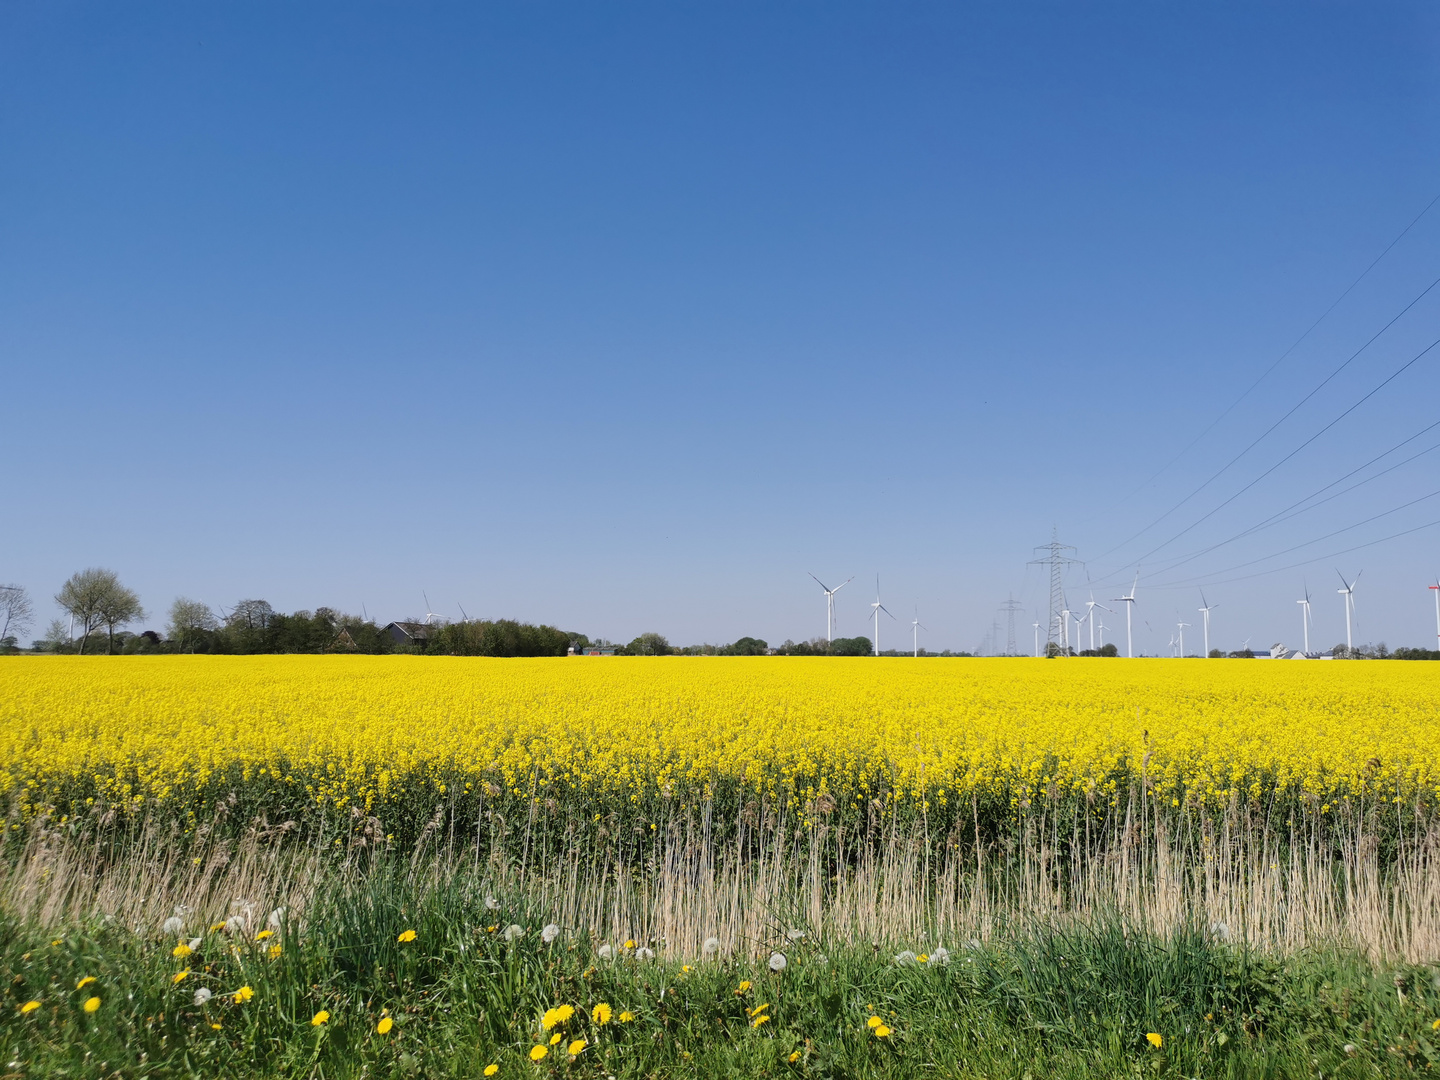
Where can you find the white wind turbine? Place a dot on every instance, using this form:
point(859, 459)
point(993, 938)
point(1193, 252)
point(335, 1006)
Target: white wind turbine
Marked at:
point(1205, 610)
point(1064, 625)
point(1129, 602)
point(428, 613)
point(1036, 624)
point(875, 613)
point(1090, 606)
point(1349, 593)
point(1305, 617)
point(1181, 626)
point(1436, 588)
point(915, 624)
point(830, 604)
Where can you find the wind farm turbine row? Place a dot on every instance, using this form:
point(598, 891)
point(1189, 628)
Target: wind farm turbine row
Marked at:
point(875, 610)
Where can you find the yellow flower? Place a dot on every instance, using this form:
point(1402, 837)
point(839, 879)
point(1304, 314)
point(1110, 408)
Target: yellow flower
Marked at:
point(922, 958)
point(794, 1057)
point(555, 1038)
point(91, 1005)
point(601, 1013)
point(275, 950)
point(537, 1052)
point(686, 969)
point(406, 935)
point(758, 1009)
point(575, 1047)
point(1154, 1039)
point(180, 976)
point(385, 1025)
point(263, 934)
point(29, 1007)
point(319, 1018)
point(491, 1070)
point(86, 981)
point(882, 1032)
point(182, 950)
point(55, 942)
point(217, 926)
point(630, 944)
point(743, 987)
point(215, 1026)
point(626, 1017)
point(874, 1022)
point(759, 1020)
point(243, 995)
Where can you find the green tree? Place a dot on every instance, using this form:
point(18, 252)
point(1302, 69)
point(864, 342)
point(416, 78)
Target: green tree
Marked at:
point(191, 622)
point(649, 644)
point(118, 607)
point(851, 646)
point(746, 646)
point(85, 596)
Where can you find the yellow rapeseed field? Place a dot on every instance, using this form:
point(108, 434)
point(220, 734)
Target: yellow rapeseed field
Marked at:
point(392, 735)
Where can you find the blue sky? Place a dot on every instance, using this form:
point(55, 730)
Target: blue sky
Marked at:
point(625, 317)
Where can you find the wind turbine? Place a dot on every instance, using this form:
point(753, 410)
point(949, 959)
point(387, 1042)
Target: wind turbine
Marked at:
point(830, 604)
point(1181, 626)
point(1305, 617)
point(1090, 606)
point(1101, 628)
point(1064, 626)
point(1036, 624)
point(1436, 588)
point(878, 607)
point(1129, 601)
point(915, 624)
point(428, 613)
point(1349, 593)
point(462, 610)
point(1205, 611)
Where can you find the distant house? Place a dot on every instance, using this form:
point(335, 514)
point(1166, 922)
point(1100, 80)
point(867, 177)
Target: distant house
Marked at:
point(598, 650)
point(408, 633)
point(343, 641)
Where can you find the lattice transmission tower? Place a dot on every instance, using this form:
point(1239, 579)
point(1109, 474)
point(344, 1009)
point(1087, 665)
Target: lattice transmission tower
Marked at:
point(1056, 560)
point(1010, 607)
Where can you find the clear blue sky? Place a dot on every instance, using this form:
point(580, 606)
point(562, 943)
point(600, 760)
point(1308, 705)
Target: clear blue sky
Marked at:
point(626, 316)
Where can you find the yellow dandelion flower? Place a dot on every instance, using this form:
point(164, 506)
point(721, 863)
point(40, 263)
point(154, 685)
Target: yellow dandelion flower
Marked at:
point(217, 926)
point(243, 995)
point(555, 1039)
point(626, 1017)
point(384, 1026)
point(874, 1022)
point(794, 1057)
point(55, 942)
point(180, 976)
point(29, 1007)
point(538, 1052)
point(406, 935)
point(600, 1013)
point(575, 1047)
point(922, 958)
point(491, 1070)
point(86, 981)
point(181, 951)
point(630, 944)
point(1154, 1039)
point(321, 1017)
point(263, 934)
point(758, 1009)
point(882, 1032)
point(91, 1005)
point(745, 985)
point(759, 1020)
point(215, 1027)
point(274, 951)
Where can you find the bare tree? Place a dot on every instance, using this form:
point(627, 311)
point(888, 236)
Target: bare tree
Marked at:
point(189, 619)
point(95, 598)
point(119, 607)
point(250, 615)
point(16, 613)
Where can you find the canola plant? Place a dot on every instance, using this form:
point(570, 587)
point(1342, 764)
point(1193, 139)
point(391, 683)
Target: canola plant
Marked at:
point(398, 739)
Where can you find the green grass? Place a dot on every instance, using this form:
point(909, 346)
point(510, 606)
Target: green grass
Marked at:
point(1071, 1000)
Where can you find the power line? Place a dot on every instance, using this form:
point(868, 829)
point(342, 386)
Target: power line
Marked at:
point(1279, 359)
point(1265, 434)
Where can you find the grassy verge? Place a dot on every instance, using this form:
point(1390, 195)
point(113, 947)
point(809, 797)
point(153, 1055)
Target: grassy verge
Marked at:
point(390, 974)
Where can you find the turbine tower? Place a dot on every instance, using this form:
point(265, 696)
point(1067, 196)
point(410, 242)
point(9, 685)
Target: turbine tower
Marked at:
point(1181, 626)
point(1305, 618)
point(1349, 593)
point(1436, 589)
point(830, 605)
point(1205, 610)
point(428, 613)
point(915, 625)
point(1056, 560)
point(1129, 602)
point(878, 607)
point(1036, 624)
